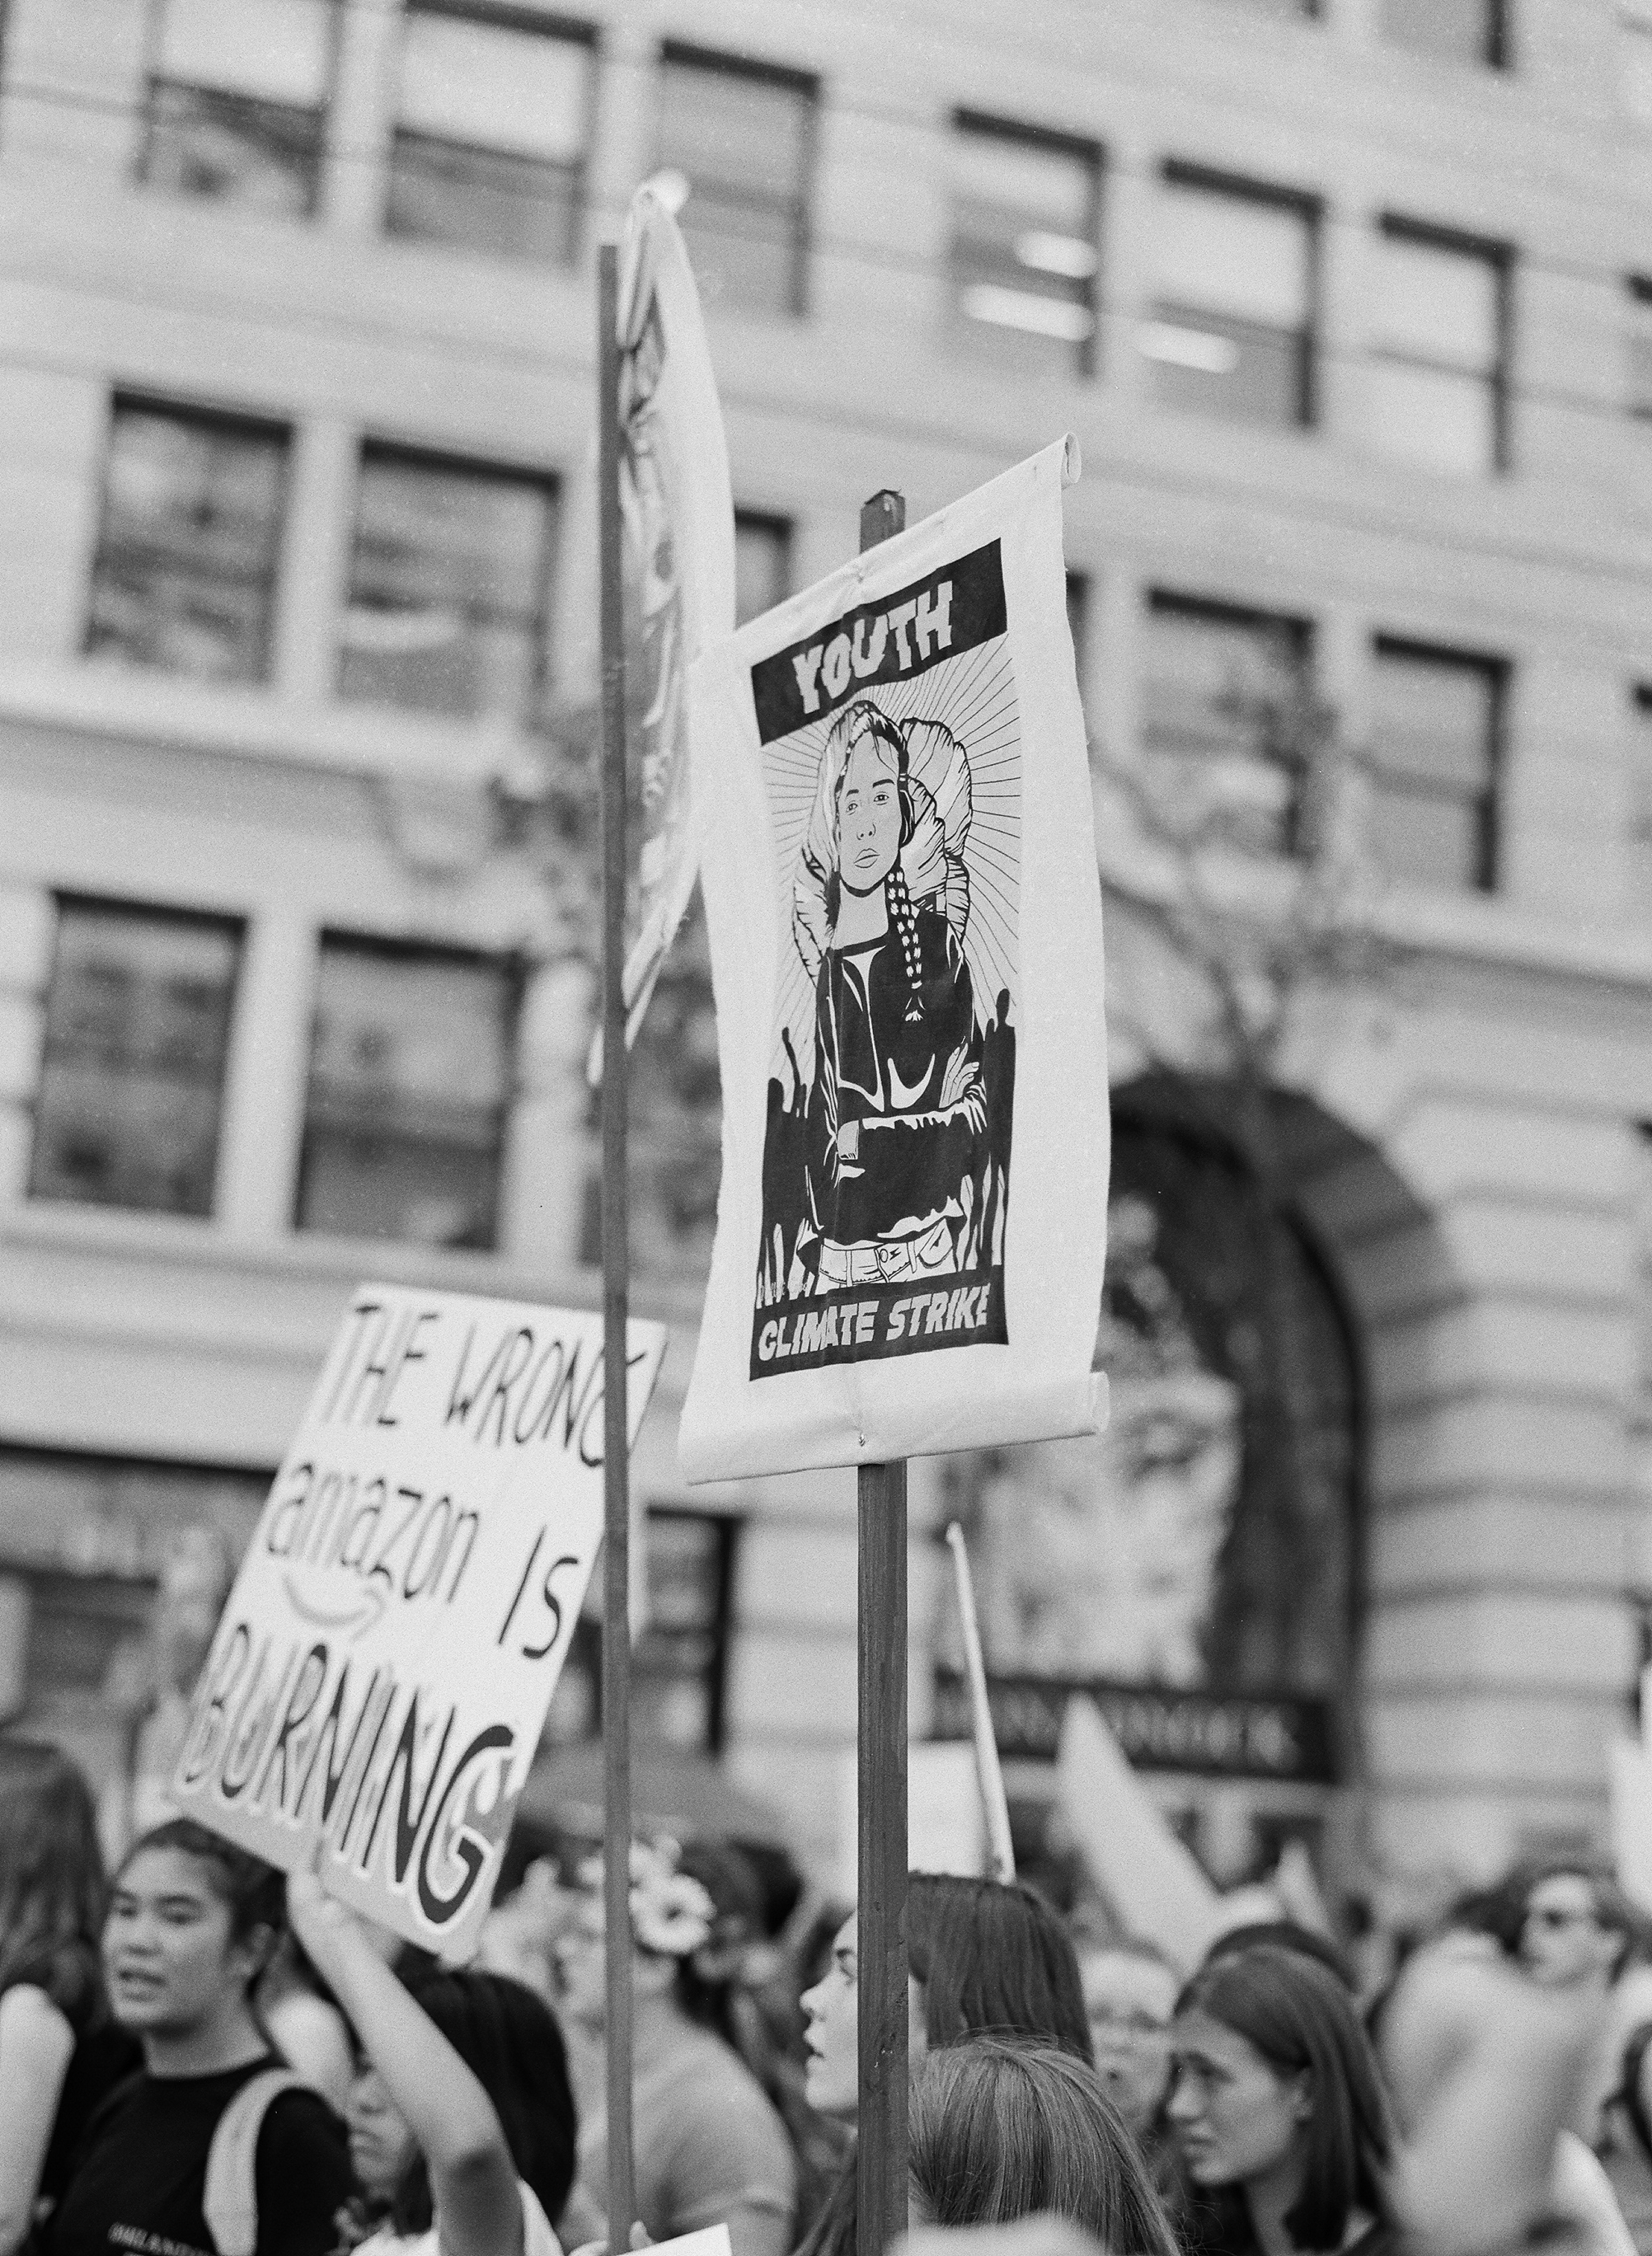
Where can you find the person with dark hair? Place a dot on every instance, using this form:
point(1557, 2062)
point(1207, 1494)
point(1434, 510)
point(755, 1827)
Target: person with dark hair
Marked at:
point(1000, 2130)
point(987, 1956)
point(1284, 1935)
point(1279, 2109)
point(462, 2123)
point(710, 2147)
point(60, 2052)
point(984, 1957)
point(191, 1925)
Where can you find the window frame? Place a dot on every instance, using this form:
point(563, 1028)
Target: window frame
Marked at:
point(514, 967)
point(784, 531)
point(136, 910)
point(551, 484)
point(1496, 48)
point(1498, 673)
point(1638, 289)
point(506, 16)
point(690, 55)
point(1396, 226)
point(154, 76)
point(1055, 141)
point(1304, 204)
point(1300, 628)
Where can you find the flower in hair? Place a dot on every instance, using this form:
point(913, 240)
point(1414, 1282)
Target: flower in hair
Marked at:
point(671, 1911)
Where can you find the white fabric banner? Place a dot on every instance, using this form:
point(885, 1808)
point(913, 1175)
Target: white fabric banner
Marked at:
point(894, 812)
point(678, 515)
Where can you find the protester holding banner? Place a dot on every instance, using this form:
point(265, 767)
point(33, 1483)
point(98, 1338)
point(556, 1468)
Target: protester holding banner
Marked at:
point(998, 2131)
point(462, 2125)
point(710, 2146)
point(60, 2052)
point(1280, 2110)
point(191, 1925)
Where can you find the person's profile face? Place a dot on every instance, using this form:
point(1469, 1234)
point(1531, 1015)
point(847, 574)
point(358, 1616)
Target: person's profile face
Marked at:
point(832, 2078)
point(1563, 1938)
point(381, 2144)
point(1235, 2117)
point(581, 1963)
point(167, 1956)
point(868, 817)
point(1130, 2002)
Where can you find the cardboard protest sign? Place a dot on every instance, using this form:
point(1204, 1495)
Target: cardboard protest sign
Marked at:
point(893, 801)
point(678, 515)
point(381, 1672)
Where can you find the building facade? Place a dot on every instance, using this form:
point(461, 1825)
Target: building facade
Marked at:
point(1350, 307)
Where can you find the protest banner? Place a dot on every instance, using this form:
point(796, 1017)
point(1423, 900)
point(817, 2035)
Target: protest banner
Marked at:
point(894, 813)
point(676, 515)
point(380, 1674)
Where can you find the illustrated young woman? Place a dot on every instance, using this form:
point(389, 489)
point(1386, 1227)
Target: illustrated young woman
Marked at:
point(462, 2125)
point(60, 2052)
point(710, 2147)
point(897, 1111)
point(192, 1922)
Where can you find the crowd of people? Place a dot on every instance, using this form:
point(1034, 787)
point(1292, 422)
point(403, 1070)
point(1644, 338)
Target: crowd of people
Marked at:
point(200, 2058)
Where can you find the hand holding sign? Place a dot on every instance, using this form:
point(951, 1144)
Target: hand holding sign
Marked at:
point(381, 1672)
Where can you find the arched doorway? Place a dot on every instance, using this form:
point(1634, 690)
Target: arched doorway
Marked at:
point(1200, 1565)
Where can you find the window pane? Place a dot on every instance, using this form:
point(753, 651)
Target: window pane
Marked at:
point(1221, 691)
point(184, 577)
point(261, 154)
point(1437, 304)
point(1024, 259)
point(1456, 31)
point(410, 1067)
point(742, 143)
point(490, 146)
point(1439, 421)
point(1635, 69)
point(1434, 750)
point(281, 50)
point(136, 1033)
point(1232, 255)
point(1206, 364)
point(762, 564)
point(448, 587)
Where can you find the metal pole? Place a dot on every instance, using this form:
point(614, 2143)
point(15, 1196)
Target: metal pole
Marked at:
point(881, 2153)
point(616, 1633)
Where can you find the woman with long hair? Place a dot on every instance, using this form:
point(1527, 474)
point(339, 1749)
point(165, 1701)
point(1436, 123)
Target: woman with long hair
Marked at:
point(462, 2124)
point(1000, 2130)
point(191, 1925)
point(710, 2146)
point(985, 1957)
point(1279, 2109)
point(59, 2051)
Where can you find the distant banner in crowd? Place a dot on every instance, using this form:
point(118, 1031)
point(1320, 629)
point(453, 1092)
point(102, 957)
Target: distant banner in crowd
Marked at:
point(678, 517)
point(894, 810)
point(382, 1670)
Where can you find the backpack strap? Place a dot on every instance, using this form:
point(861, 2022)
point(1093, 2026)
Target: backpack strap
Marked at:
point(1628, 2095)
point(230, 2202)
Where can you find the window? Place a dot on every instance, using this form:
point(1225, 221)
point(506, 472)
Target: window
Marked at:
point(1450, 30)
point(680, 1661)
point(136, 1033)
point(1634, 58)
point(1639, 345)
point(236, 101)
point(1225, 700)
point(410, 1077)
point(1434, 766)
point(742, 135)
point(449, 586)
point(184, 572)
point(1438, 382)
point(493, 129)
point(763, 563)
point(1232, 332)
point(1641, 804)
point(1026, 224)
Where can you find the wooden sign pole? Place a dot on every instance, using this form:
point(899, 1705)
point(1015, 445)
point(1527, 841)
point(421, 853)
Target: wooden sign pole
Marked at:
point(616, 1629)
point(881, 2164)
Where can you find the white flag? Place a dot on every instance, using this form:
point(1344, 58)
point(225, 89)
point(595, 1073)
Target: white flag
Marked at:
point(893, 804)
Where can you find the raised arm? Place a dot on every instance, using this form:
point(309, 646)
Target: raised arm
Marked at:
point(36, 2044)
point(473, 2179)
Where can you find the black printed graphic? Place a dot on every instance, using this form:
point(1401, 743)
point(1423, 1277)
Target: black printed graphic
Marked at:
point(891, 757)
